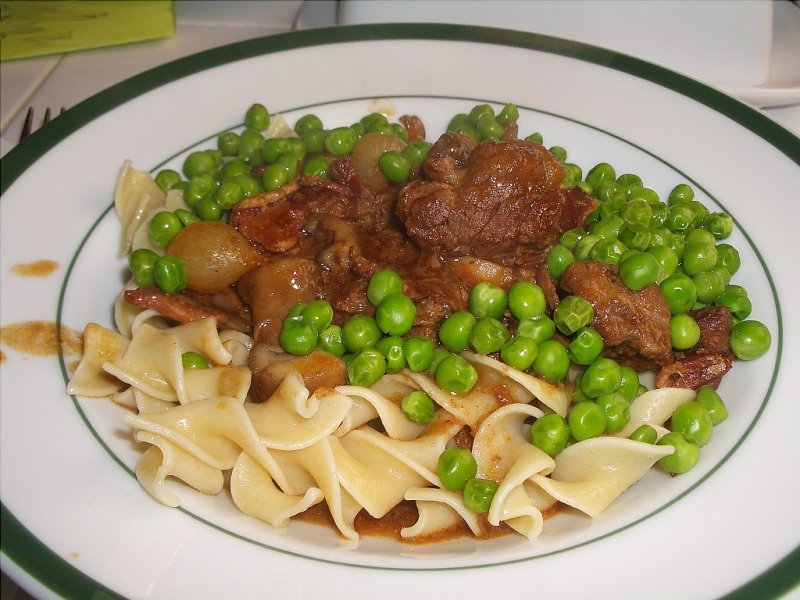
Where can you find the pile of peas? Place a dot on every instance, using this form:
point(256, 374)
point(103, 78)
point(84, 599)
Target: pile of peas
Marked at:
point(677, 244)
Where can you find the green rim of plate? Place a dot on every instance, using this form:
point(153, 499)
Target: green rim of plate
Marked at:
point(49, 569)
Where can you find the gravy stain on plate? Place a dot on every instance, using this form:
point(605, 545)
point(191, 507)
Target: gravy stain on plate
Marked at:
point(38, 268)
point(40, 338)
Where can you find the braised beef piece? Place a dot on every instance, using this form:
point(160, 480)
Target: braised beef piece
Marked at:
point(507, 195)
point(318, 370)
point(634, 325)
point(448, 157)
point(694, 371)
point(187, 306)
point(715, 324)
point(414, 127)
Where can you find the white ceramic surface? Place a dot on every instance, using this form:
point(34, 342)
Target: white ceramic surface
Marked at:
point(65, 464)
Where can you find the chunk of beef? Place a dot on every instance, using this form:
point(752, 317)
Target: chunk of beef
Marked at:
point(634, 325)
point(715, 324)
point(184, 307)
point(414, 127)
point(694, 371)
point(448, 157)
point(274, 228)
point(318, 370)
point(272, 289)
point(507, 195)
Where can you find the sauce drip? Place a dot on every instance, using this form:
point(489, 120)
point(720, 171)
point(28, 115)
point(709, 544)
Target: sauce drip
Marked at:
point(40, 338)
point(38, 268)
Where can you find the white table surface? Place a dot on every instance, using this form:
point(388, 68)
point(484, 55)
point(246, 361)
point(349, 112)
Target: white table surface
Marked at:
point(65, 80)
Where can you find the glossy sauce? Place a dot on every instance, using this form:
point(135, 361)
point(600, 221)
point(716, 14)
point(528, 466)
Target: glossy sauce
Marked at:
point(41, 338)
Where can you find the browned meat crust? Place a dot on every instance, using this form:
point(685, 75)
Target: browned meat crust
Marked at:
point(694, 371)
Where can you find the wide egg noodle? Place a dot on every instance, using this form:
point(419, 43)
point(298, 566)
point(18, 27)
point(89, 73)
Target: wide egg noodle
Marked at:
point(292, 419)
point(237, 344)
point(213, 382)
point(164, 459)
point(439, 510)
point(136, 196)
point(591, 474)
point(255, 494)
point(655, 407)
point(556, 397)
point(100, 345)
point(396, 424)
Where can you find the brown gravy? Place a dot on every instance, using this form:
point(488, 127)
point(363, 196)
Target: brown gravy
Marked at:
point(40, 338)
point(38, 268)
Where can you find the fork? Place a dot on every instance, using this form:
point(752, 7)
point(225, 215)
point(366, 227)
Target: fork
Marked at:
point(27, 126)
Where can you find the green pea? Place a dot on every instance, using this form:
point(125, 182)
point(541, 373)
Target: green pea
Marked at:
point(740, 306)
point(315, 140)
point(273, 177)
point(680, 293)
point(318, 314)
point(508, 114)
point(660, 214)
point(735, 289)
point(550, 433)
point(395, 166)
point(684, 331)
point(296, 147)
point(584, 246)
point(603, 376)
point(419, 353)
point(552, 361)
point(383, 283)
point(228, 143)
point(586, 346)
point(418, 407)
point(197, 163)
point(341, 141)
point(455, 467)
point(667, 260)
point(709, 399)
point(693, 421)
point(639, 270)
point(630, 181)
point(609, 251)
point(439, 354)
point(638, 211)
point(644, 193)
point(611, 194)
point(719, 224)
point(141, 262)
point(228, 194)
point(234, 168)
point(487, 300)
point(170, 275)
point(519, 353)
point(539, 329)
point(488, 336)
point(709, 285)
point(586, 420)
point(684, 457)
point(395, 314)
point(478, 111)
point(167, 179)
point(359, 332)
point(289, 162)
point(318, 166)
point(208, 210)
point(193, 360)
point(273, 148)
point(163, 227)
point(366, 367)
point(416, 152)
point(572, 313)
point(298, 336)
point(607, 227)
point(682, 192)
point(617, 410)
point(559, 153)
point(526, 299)
point(700, 236)
point(454, 374)
point(488, 127)
point(629, 383)
point(699, 257)
point(330, 340)
point(455, 331)
point(644, 433)
point(257, 117)
point(249, 186)
point(199, 188)
point(635, 236)
point(251, 143)
point(679, 217)
point(571, 237)
point(306, 123)
point(478, 494)
point(374, 119)
point(728, 257)
point(398, 131)
point(186, 217)
point(599, 173)
point(558, 259)
point(392, 349)
point(660, 236)
point(750, 339)
point(536, 138)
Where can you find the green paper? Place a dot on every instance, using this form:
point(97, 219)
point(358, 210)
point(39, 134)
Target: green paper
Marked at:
point(40, 27)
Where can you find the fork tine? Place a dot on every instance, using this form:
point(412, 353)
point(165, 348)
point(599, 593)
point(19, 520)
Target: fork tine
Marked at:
point(46, 118)
point(27, 125)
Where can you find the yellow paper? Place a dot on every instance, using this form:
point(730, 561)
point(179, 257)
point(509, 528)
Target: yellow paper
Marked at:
point(40, 27)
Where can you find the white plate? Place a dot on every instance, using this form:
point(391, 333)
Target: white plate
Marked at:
point(74, 519)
